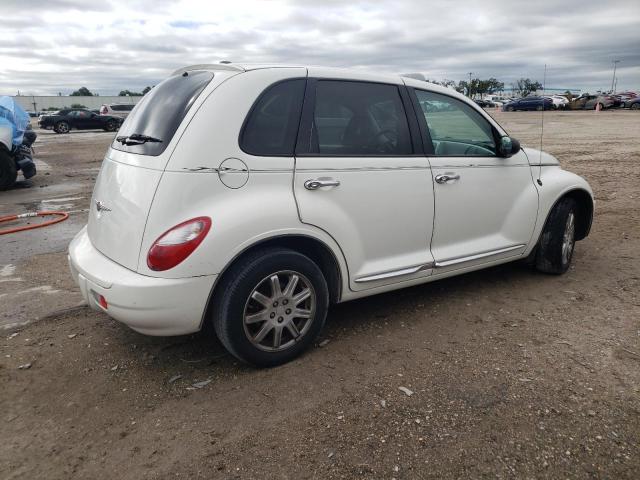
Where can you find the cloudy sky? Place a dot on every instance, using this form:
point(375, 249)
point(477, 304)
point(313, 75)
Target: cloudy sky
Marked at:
point(109, 45)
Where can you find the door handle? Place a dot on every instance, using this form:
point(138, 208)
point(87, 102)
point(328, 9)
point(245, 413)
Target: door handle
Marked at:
point(446, 177)
point(317, 183)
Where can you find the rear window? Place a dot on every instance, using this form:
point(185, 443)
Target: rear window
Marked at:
point(161, 111)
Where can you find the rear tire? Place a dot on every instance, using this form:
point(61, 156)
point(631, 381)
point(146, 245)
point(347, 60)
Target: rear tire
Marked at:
point(510, 109)
point(61, 127)
point(111, 126)
point(8, 171)
point(635, 106)
point(257, 314)
point(557, 242)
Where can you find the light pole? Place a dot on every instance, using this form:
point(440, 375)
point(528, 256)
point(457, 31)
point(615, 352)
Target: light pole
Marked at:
point(613, 79)
point(469, 87)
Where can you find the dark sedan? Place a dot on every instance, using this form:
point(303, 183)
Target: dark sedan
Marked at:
point(529, 103)
point(81, 119)
point(633, 104)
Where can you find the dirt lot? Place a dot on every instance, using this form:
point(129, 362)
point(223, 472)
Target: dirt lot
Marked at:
point(514, 374)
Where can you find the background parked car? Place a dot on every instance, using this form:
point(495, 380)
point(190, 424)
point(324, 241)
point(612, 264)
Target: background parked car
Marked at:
point(117, 109)
point(626, 97)
point(559, 101)
point(589, 102)
point(79, 118)
point(485, 103)
point(633, 104)
point(529, 103)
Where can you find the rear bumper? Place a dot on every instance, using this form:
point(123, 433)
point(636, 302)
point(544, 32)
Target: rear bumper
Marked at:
point(149, 305)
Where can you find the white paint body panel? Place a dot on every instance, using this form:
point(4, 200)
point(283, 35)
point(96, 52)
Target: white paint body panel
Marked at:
point(387, 215)
point(153, 306)
point(493, 206)
point(381, 214)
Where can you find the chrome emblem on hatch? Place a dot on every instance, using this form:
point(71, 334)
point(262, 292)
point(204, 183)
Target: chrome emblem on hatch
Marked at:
point(101, 207)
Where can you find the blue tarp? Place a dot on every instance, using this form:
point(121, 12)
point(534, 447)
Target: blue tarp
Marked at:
point(13, 115)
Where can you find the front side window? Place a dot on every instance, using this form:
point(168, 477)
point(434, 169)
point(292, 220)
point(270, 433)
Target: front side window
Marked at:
point(272, 124)
point(358, 118)
point(456, 128)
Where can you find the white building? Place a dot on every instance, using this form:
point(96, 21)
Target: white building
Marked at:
point(39, 103)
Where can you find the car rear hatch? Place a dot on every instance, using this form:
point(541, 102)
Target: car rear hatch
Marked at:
point(133, 166)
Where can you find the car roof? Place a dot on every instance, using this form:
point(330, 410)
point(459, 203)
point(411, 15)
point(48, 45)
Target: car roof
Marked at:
point(326, 72)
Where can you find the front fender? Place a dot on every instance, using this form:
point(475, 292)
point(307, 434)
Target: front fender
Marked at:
point(556, 183)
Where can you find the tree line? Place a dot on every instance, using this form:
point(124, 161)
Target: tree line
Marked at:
point(479, 87)
point(85, 92)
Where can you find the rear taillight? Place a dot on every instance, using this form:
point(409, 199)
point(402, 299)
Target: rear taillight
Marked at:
point(176, 244)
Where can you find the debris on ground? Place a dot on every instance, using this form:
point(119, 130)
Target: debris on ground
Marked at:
point(406, 391)
point(202, 384)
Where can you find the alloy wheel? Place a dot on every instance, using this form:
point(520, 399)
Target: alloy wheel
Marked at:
point(568, 239)
point(279, 311)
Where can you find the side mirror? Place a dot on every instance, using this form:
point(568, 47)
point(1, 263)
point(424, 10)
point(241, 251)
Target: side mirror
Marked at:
point(508, 146)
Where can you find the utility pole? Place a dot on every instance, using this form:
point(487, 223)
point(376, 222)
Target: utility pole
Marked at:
point(613, 79)
point(469, 87)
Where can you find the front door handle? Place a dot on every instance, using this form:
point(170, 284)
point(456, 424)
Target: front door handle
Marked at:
point(317, 183)
point(447, 177)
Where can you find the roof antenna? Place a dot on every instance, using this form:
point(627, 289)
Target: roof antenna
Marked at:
point(544, 86)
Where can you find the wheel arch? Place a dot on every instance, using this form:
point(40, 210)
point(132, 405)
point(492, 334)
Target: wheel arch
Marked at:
point(584, 215)
point(317, 250)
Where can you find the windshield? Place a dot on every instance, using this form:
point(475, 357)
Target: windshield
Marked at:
point(160, 112)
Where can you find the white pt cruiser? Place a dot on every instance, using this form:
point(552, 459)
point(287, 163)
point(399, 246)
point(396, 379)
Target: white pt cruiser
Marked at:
point(253, 197)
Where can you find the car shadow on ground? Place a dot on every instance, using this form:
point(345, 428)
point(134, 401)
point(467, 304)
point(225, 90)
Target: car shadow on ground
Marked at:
point(202, 351)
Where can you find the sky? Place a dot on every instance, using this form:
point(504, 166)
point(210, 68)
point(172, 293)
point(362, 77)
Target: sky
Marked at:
point(56, 46)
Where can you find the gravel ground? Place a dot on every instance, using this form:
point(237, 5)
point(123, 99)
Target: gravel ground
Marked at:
point(502, 373)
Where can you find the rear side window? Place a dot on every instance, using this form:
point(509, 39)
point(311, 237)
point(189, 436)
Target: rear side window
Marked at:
point(358, 118)
point(272, 124)
point(161, 111)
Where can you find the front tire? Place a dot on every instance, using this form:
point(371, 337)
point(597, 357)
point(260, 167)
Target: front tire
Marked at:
point(111, 126)
point(557, 242)
point(635, 106)
point(8, 171)
point(270, 306)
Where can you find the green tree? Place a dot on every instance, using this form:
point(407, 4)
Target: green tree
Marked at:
point(82, 92)
point(524, 86)
point(488, 86)
point(146, 90)
point(129, 93)
point(463, 87)
point(77, 105)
